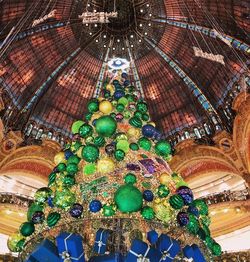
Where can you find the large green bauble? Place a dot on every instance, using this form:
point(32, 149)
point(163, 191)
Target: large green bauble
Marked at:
point(128, 198)
point(76, 125)
point(64, 199)
point(176, 201)
point(162, 148)
point(135, 122)
point(27, 229)
point(93, 105)
point(32, 209)
point(85, 130)
point(90, 153)
point(15, 243)
point(42, 194)
point(53, 218)
point(106, 126)
point(144, 143)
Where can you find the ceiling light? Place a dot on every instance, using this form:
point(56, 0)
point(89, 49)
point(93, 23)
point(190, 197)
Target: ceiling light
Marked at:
point(132, 45)
point(104, 46)
point(225, 210)
point(149, 24)
point(147, 5)
point(150, 14)
point(123, 48)
point(90, 33)
point(139, 40)
point(145, 33)
point(96, 40)
point(113, 48)
point(140, 25)
point(118, 40)
point(87, 24)
point(131, 36)
point(95, 25)
point(141, 10)
point(104, 36)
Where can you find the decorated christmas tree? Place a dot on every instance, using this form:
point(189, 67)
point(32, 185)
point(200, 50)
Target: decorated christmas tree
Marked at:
point(113, 189)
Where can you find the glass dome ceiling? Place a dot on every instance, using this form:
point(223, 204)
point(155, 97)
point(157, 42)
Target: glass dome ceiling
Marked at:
point(51, 62)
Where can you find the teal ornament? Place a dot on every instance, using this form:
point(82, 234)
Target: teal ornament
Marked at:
point(27, 229)
point(134, 147)
point(148, 213)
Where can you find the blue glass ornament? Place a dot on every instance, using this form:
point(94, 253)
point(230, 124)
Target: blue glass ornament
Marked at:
point(76, 210)
point(126, 83)
point(193, 210)
point(118, 94)
point(182, 218)
point(148, 130)
point(148, 195)
point(94, 122)
point(95, 206)
point(186, 194)
point(50, 202)
point(68, 154)
point(124, 75)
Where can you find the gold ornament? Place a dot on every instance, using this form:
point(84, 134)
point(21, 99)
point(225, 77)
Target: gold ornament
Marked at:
point(133, 133)
point(110, 88)
point(59, 158)
point(165, 179)
point(105, 165)
point(96, 116)
point(79, 152)
point(162, 212)
point(152, 124)
point(105, 107)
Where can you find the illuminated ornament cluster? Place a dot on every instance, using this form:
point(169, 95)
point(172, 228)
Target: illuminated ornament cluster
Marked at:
point(115, 166)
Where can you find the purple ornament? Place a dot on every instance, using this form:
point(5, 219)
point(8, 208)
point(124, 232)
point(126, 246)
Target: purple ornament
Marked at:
point(182, 218)
point(133, 167)
point(186, 194)
point(118, 94)
point(148, 164)
point(148, 130)
point(38, 217)
point(76, 210)
point(119, 117)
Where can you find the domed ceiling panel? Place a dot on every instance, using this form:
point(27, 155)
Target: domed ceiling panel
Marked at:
point(51, 69)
